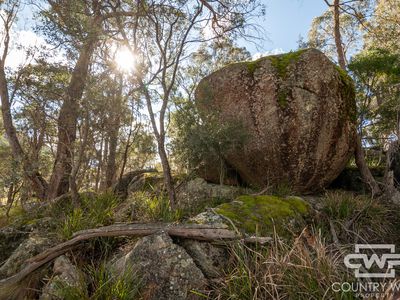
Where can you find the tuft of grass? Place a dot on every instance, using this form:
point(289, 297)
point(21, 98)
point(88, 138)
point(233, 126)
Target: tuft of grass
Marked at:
point(355, 217)
point(304, 269)
point(99, 283)
point(154, 207)
point(93, 212)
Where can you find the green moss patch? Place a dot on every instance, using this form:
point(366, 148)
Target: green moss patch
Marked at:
point(282, 98)
point(282, 61)
point(252, 66)
point(259, 214)
point(348, 93)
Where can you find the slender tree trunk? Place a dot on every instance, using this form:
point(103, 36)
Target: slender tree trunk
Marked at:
point(100, 163)
point(160, 136)
point(111, 167)
point(359, 151)
point(363, 167)
point(38, 183)
point(104, 163)
point(77, 164)
point(125, 155)
point(67, 121)
point(338, 39)
point(167, 173)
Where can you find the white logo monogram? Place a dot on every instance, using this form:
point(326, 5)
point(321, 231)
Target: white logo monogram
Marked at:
point(361, 263)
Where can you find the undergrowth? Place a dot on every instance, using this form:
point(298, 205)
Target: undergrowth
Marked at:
point(92, 212)
point(356, 218)
point(98, 283)
point(154, 207)
point(303, 269)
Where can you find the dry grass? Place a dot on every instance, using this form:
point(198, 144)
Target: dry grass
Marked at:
point(303, 269)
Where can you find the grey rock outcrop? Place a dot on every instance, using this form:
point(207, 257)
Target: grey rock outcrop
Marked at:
point(165, 269)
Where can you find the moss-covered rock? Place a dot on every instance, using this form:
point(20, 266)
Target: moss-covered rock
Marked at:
point(260, 214)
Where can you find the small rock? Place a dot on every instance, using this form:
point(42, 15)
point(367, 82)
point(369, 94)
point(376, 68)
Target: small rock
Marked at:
point(64, 274)
point(210, 218)
point(164, 268)
point(198, 191)
point(210, 258)
point(27, 249)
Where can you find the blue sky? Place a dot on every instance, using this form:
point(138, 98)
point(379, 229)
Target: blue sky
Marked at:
point(285, 20)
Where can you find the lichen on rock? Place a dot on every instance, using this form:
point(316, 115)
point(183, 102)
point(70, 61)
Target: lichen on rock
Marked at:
point(166, 270)
point(298, 111)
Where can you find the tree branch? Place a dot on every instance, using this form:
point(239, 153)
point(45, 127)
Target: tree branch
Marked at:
point(188, 231)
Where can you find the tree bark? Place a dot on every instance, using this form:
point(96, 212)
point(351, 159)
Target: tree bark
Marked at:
point(114, 125)
point(167, 174)
point(67, 122)
point(359, 152)
point(77, 164)
point(364, 170)
point(338, 39)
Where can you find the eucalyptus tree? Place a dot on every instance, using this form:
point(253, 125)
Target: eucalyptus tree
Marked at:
point(162, 38)
point(8, 15)
point(77, 27)
point(338, 32)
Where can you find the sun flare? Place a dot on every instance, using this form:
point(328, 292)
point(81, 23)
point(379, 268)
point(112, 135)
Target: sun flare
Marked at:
point(125, 60)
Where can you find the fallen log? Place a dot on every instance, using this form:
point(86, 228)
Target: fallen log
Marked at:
point(189, 231)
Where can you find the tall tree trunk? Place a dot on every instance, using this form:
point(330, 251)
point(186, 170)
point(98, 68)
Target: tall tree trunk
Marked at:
point(67, 121)
point(363, 168)
point(38, 183)
point(160, 136)
point(77, 164)
point(111, 167)
point(359, 151)
point(338, 39)
point(104, 163)
point(125, 155)
point(99, 166)
point(167, 173)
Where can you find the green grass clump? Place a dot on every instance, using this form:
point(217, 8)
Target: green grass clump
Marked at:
point(355, 216)
point(261, 214)
point(153, 207)
point(100, 284)
point(93, 212)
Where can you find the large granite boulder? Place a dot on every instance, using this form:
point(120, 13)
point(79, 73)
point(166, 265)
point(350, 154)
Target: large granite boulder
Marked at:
point(298, 110)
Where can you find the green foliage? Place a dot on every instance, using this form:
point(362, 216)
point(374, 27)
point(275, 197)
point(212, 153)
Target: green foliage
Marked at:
point(201, 137)
point(103, 285)
point(152, 207)
point(377, 75)
point(264, 214)
point(93, 212)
